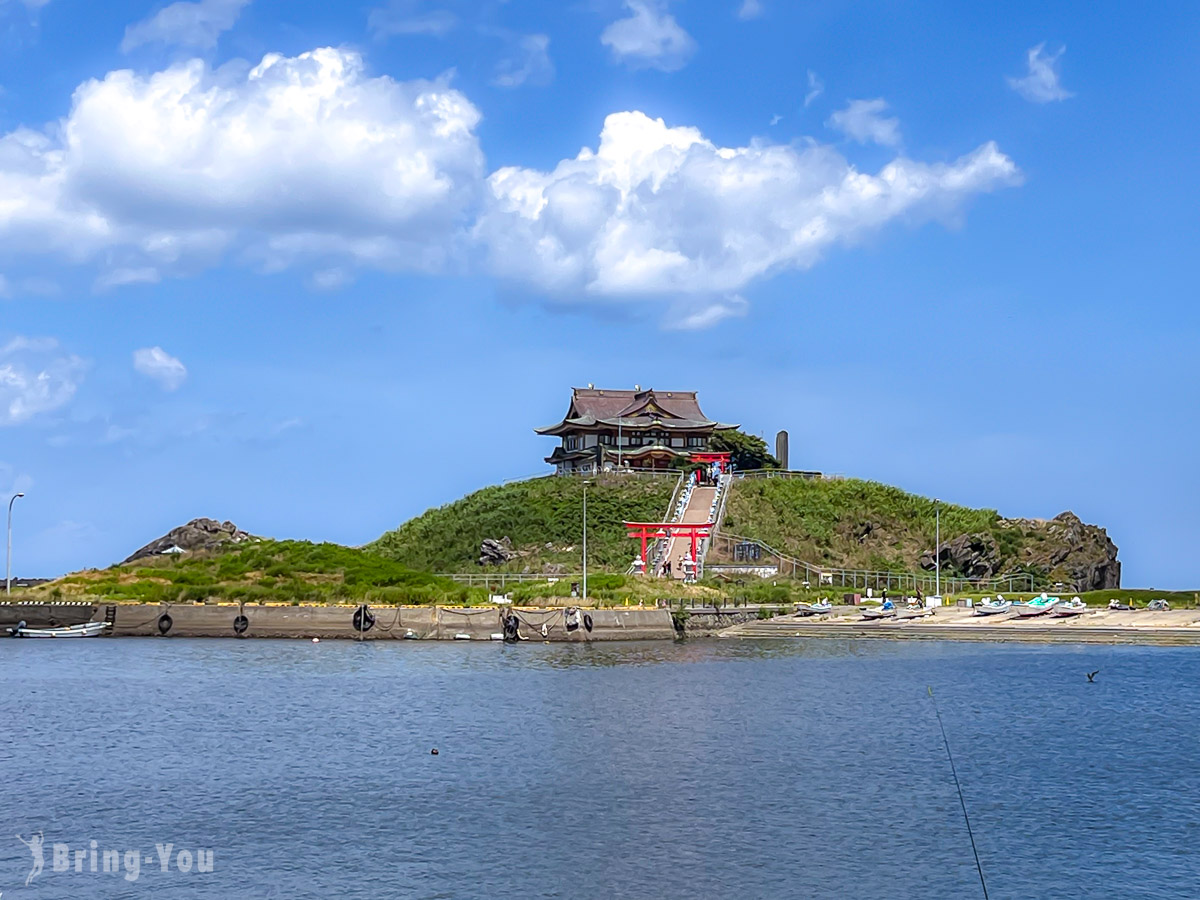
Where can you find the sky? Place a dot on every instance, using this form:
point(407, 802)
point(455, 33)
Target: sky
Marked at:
point(317, 267)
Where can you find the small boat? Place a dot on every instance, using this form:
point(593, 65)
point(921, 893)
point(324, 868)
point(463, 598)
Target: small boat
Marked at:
point(886, 611)
point(1114, 603)
point(410, 635)
point(914, 612)
point(1075, 608)
point(814, 609)
point(86, 629)
point(1158, 605)
point(462, 636)
point(995, 607)
point(1037, 606)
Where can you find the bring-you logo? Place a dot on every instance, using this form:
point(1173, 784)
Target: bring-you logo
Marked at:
point(131, 864)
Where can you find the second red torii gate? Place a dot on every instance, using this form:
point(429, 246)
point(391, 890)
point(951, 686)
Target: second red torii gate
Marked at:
point(697, 531)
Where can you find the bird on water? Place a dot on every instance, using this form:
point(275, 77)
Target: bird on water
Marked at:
point(1092, 675)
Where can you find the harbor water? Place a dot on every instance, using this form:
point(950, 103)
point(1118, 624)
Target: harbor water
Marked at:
point(636, 770)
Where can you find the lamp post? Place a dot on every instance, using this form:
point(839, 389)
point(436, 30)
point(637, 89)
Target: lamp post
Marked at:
point(937, 552)
point(8, 559)
point(585, 487)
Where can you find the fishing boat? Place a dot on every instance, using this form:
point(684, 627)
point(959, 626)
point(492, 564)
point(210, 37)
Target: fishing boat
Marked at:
point(886, 611)
point(814, 609)
point(1075, 608)
point(86, 629)
point(996, 607)
point(914, 612)
point(1037, 606)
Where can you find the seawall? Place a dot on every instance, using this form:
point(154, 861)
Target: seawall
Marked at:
point(390, 622)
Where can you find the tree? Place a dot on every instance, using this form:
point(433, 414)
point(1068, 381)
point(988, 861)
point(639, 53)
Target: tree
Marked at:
point(747, 451)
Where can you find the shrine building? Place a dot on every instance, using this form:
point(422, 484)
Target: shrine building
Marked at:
point(631, 429)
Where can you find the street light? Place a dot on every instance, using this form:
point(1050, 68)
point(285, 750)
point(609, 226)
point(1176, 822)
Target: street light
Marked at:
point(585, 487)
point(8, 559)
point(937, 552)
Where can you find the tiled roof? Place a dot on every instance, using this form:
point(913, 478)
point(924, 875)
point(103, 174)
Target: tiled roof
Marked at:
point(634, 409)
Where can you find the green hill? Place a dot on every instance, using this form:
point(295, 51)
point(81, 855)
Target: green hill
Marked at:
point(856, 524)
point(542, 518)
point(260, 571)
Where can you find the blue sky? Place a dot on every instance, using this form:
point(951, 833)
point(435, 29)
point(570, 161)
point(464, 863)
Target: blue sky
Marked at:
point(316, 267)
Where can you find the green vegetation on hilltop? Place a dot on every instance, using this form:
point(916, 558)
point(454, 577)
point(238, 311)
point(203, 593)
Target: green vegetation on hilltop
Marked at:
point(531, 514)
point(855, 524)
point(262, 571)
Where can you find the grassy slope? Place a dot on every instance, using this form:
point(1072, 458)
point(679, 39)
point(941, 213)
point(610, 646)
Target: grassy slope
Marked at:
point(267, 571)
point(532, 514)
point(824, 522)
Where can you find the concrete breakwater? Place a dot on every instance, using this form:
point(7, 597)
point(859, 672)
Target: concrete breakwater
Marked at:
point(381, 623)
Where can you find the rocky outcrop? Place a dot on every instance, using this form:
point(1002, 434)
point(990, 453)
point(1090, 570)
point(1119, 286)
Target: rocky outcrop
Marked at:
point(1063, 550)
point(1082, 557)
point(198, 534)
point(494, 552)
point(972, 555)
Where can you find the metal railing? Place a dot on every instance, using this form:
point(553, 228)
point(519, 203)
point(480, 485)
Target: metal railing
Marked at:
point(831, 576)
point(485, 579)
point(788, 473)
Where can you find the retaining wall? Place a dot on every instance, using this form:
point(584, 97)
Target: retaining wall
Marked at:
point(391, 623)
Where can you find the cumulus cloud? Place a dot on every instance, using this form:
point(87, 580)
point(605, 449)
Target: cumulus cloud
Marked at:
point(750, 9)
point(36, 376)
point(296, 156)
point(649, 38)
point(188, 24)
point(816, 87)
point(1041, 84)
point(864, 121)
point(529, 63)
point(657, 210)
point(158, 364)
point(405, 17)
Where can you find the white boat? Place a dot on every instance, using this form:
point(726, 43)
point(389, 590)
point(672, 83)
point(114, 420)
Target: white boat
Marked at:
point(1037, 606)
point(1075, 608)
point(814, 609)
point(886, 611)
point(87, 629)
point(996, 607)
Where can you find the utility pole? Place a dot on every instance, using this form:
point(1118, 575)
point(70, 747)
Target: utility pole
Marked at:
point(937, 553)
point(8, 559)
point(585, 487)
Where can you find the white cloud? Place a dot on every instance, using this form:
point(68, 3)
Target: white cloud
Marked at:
point(649, 38)
point(776, 119)
point(529, 64)
point(36, 376)
point(864, 121)
point(663, 211)
point(305, 155)
point(750, 9)
point(121, 277)
point(816, 87)
point(405, 17)
point(1041, 84)
point(706, 314)
point(187, 24)
point(330, 279)
point(158, 364)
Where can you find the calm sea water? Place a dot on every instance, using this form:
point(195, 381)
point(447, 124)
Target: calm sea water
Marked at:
point(712, 769)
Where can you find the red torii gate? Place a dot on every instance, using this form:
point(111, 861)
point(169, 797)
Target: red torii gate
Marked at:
point(697, 531)
point(721, 459)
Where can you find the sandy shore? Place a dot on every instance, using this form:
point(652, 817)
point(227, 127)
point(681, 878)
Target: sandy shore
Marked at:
point(1180, 626)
